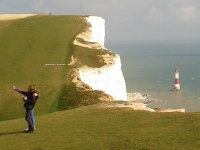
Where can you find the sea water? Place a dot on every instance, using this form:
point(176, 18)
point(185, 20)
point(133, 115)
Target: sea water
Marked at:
point(148, 68)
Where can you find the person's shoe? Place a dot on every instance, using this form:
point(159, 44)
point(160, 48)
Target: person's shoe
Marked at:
point(27, 129)
point(30, 131)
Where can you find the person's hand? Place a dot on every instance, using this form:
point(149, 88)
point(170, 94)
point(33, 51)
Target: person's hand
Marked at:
point(14, 87)
point(24, 98)
point(35, 94)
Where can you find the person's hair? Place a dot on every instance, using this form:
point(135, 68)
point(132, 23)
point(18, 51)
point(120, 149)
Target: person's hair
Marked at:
point(32, 87)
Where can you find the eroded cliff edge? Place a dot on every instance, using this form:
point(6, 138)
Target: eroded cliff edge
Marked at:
point(109, 77)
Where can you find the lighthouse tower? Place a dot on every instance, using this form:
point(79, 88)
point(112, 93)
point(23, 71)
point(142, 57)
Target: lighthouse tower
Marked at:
point(176, 82)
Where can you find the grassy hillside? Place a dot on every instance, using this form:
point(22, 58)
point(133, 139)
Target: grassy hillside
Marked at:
point(26, 45)
point(29, 49)
point(93, 127)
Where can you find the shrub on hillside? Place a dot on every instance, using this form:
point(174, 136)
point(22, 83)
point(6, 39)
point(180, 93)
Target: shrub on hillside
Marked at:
point(74, 97)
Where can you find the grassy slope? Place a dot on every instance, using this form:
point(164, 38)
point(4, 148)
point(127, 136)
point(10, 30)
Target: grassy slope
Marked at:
point(92, 128)
point(26, 45)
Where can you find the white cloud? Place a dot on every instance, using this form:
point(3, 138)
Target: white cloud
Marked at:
point(153, 15)
point(188, 13)
point(183, 11)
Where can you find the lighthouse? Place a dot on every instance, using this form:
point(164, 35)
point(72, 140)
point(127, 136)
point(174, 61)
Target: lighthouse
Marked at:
point(176, 82)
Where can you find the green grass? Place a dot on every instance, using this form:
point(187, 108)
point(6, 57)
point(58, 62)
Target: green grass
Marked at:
point(26, 45)
point(94, 55)
point(93, 127)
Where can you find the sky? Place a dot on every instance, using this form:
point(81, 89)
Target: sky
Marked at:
point(127, 20)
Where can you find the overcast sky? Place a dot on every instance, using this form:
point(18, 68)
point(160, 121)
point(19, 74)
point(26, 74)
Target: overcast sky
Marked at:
point(126, 20)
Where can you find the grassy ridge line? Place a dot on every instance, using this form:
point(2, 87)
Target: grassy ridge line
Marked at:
point(92, 127)
point(26, 45)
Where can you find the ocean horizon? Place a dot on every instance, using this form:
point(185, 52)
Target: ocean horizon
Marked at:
point(148, 68)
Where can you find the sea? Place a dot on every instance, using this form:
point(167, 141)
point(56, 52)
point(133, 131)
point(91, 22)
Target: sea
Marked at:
point(149, 68)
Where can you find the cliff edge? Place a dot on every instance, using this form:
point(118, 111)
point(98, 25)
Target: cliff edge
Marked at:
point(109, 77)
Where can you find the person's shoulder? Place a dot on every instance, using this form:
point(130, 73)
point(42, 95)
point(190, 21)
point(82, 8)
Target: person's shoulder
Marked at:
point(35, 94)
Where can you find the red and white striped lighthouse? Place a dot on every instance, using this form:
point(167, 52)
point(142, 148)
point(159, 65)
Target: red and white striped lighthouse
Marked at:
point(176, 82)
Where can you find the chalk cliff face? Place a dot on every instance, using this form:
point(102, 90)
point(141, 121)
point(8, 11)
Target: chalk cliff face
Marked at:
point(95, 35)
point(108, 78)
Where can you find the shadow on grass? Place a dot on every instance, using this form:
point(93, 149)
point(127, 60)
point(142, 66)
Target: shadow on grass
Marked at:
point(10, 133)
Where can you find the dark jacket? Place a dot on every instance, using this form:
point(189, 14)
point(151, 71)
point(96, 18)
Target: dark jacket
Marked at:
point(31, 100)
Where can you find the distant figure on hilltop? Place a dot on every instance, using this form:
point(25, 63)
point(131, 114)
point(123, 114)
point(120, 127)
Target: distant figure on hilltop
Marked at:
point(29, 97)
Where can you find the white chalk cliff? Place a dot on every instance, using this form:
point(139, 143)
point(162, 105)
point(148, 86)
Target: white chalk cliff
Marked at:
point(108, 78)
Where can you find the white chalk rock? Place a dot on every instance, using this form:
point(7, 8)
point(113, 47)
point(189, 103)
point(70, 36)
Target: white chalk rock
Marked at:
point(97, 29)
point(134, 106)
point(95, 35)
point(108, 78)
point(171, 110)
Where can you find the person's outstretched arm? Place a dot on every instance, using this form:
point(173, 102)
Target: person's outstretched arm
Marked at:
point(20, 91)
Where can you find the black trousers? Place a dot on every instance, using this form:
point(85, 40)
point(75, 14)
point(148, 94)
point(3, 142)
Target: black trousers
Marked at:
point(27, 118)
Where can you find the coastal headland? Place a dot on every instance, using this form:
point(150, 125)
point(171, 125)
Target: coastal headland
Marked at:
point(108, 77)
point(98, 79)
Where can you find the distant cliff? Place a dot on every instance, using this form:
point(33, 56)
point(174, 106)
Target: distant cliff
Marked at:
point(15, 16)
point(108, 78)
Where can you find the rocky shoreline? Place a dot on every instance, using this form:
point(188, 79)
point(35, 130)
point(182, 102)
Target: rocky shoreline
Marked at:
point(142, 98)
point(138, 101)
